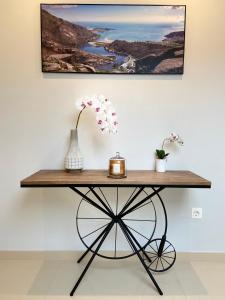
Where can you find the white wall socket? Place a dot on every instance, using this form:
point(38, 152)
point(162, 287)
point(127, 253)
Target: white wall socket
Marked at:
point(196, 213)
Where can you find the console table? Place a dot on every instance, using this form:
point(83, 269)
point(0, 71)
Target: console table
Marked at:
point(116, 218)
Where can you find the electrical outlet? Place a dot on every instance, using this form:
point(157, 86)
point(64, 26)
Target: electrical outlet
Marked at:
point(197, 213)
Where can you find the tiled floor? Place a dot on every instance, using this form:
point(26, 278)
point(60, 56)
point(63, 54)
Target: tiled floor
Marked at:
point(51, 276)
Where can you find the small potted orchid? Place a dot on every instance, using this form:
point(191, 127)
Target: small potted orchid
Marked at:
point(106, 118)
point(161, 154)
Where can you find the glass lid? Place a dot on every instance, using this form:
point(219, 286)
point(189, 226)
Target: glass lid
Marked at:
point(118, 156)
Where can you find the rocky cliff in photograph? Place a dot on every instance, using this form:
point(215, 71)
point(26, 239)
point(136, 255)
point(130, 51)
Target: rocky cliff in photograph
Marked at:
point(61, 44)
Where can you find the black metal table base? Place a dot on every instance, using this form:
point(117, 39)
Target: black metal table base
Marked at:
point(147, 258)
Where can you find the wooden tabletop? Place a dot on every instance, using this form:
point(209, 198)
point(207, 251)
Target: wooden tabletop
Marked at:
point(61, 178)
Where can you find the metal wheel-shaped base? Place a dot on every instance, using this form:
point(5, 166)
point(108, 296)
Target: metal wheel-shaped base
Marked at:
point(160, 262)
point(91, 221)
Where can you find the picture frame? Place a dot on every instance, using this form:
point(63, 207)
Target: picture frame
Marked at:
point(113, 38)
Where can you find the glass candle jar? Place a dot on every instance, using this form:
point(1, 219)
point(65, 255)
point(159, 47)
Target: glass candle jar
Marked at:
point(117, 167)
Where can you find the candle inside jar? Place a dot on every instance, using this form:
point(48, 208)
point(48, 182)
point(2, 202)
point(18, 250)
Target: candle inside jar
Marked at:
point(117, 167)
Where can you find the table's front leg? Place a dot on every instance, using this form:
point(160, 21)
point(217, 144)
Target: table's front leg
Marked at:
point(106, 232)
point(91, 246)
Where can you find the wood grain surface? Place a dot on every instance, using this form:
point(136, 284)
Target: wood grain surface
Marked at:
point(61, 178)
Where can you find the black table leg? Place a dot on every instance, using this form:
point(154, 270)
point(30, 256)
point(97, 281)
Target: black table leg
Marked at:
point(128, 234)
point(109, 227)
point(92, 245)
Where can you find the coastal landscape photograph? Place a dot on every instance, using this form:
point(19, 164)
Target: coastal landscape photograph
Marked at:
point(114, 39)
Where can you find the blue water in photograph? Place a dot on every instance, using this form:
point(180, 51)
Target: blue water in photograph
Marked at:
point(133, 32)
point(119, 59)
point(129, 32)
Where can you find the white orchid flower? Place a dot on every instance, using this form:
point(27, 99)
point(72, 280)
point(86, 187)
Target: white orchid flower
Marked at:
point(173, 138)
point(105, 113)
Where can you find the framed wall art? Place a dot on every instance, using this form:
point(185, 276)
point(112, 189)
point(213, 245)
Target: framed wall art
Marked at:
point(112, 38)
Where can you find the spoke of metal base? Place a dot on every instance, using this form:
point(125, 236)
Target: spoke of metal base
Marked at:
point(115, 240)
point(90, 201)
point(137, 232)
point(83, 237)
point(92, 258)
point(100, 200)
point(130, 196)
point(80, 218)
point(92, 245)
point(103, 195)
point(130, 238)
point(139, 220)
point(128, 204)
point(127, 210)
point(137, 243)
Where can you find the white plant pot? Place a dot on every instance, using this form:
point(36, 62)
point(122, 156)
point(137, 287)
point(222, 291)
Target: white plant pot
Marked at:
point(160, 165)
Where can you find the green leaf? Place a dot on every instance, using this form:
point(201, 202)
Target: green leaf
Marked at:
point(161, 154)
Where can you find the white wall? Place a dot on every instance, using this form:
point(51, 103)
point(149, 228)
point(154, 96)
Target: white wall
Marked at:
point(37, 112)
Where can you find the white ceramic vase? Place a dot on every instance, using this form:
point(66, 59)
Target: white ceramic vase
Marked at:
point(74, 159)
point(160, 165)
